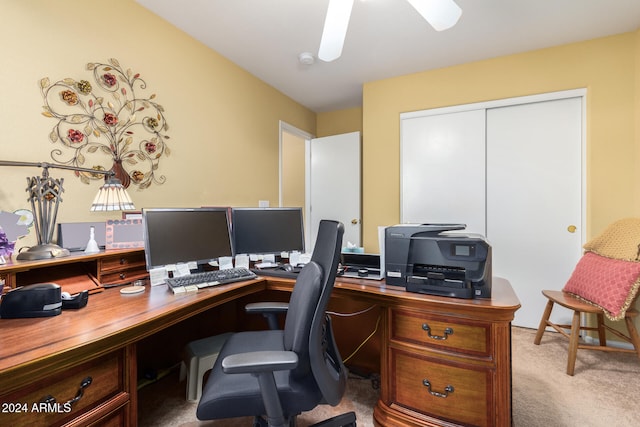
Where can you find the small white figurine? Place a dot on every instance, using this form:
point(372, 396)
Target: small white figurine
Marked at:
point(92, 245)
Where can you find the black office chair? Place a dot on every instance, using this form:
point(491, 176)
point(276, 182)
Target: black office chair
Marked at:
point(282, 373)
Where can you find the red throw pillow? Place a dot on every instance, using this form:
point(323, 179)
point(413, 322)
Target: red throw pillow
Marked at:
point(610, 284)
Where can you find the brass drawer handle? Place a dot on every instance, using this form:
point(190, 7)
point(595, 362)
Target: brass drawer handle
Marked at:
point(48, 399)
point(448, 389)
point(447, 332)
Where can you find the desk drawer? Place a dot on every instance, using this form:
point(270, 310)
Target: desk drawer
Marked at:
point(438, 331)
point(122, 268)
point(445, 391)
point(66, 395)
point(125, 275)
point(122, 261)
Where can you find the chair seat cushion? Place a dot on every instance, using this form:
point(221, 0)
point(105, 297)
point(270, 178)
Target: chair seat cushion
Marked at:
point(610, 284)
point(236, 395)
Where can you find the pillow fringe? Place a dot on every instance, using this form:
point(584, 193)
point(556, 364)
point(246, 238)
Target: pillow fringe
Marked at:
point(631, 296)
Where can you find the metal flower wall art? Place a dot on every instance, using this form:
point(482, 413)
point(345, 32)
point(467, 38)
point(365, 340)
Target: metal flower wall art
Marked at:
point(105, 124)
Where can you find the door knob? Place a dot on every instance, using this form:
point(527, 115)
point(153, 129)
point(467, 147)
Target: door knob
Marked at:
point(354, 221)
point(571, 229)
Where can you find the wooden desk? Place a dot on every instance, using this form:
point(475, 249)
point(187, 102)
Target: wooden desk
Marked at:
point(453, 344)
point(52, 356)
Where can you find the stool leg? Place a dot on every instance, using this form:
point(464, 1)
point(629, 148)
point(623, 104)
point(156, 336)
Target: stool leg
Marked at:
point(543, 322)
point(198, 390)
point(192, 379)
point(573, 342)
point(183, 372)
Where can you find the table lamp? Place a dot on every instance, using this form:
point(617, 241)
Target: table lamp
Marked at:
point(45, 197)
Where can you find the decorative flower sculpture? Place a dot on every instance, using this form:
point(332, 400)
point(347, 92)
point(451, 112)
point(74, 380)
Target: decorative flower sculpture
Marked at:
point(107, 119)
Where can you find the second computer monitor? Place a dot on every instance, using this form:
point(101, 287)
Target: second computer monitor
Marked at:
point(267, 230)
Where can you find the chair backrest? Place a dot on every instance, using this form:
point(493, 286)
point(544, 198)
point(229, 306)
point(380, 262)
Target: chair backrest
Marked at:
point(302, 305)
point(326, 363)
point(306, 298)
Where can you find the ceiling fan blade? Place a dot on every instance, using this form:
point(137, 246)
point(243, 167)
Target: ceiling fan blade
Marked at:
point(441, 14)
point(335, 29)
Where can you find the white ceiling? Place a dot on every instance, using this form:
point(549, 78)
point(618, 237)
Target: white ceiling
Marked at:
point(386, 38)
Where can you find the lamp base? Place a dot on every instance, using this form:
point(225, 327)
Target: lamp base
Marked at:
point(45, 251)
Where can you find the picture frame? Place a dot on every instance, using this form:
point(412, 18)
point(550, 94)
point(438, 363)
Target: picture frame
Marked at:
point(124, 234)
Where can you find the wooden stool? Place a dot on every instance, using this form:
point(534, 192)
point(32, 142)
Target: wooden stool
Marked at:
point(578, 306)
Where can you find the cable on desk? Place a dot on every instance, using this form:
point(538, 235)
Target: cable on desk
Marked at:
point(346, 359)
point(357, 313)
point(351, 314)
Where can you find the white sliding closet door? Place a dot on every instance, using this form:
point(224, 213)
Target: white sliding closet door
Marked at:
point(534, 198)
point(442, 163)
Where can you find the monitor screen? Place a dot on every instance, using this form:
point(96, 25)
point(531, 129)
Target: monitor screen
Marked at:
point(173, 236)
point(267, 230)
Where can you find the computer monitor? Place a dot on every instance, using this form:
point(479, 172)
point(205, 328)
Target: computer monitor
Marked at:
point(182, 235)
point(267, 230)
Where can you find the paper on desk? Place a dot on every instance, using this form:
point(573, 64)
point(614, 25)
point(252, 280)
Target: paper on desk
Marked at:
point(158, 276)
point(304, 258)
point(182, 269)
point(226, 262)
point(269, 258)
point(242, 261)
point(294, 258)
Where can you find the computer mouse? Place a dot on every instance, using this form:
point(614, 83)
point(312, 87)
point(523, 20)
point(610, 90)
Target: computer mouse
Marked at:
point(286, 267)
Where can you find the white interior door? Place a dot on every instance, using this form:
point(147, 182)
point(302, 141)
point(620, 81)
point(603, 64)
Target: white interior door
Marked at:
point(334, 184)
point(534, 196)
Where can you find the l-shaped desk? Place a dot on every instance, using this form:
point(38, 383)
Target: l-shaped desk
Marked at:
point(443, 361)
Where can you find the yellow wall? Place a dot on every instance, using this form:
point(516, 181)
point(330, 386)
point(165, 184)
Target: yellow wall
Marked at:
point(606, 67)
point(338, 122)
point(637, 116)
point(223, 121)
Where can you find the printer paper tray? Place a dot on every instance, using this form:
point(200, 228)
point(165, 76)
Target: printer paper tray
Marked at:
point(444, 287)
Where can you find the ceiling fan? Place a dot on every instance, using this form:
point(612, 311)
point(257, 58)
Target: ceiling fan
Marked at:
point(441, 14)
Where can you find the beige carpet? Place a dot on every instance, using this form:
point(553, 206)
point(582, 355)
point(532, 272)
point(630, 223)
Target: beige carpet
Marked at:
point(603, 392)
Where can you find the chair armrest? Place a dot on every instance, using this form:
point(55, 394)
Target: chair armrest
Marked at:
point(259, 361)
point(269, 310)
point(267, 307)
